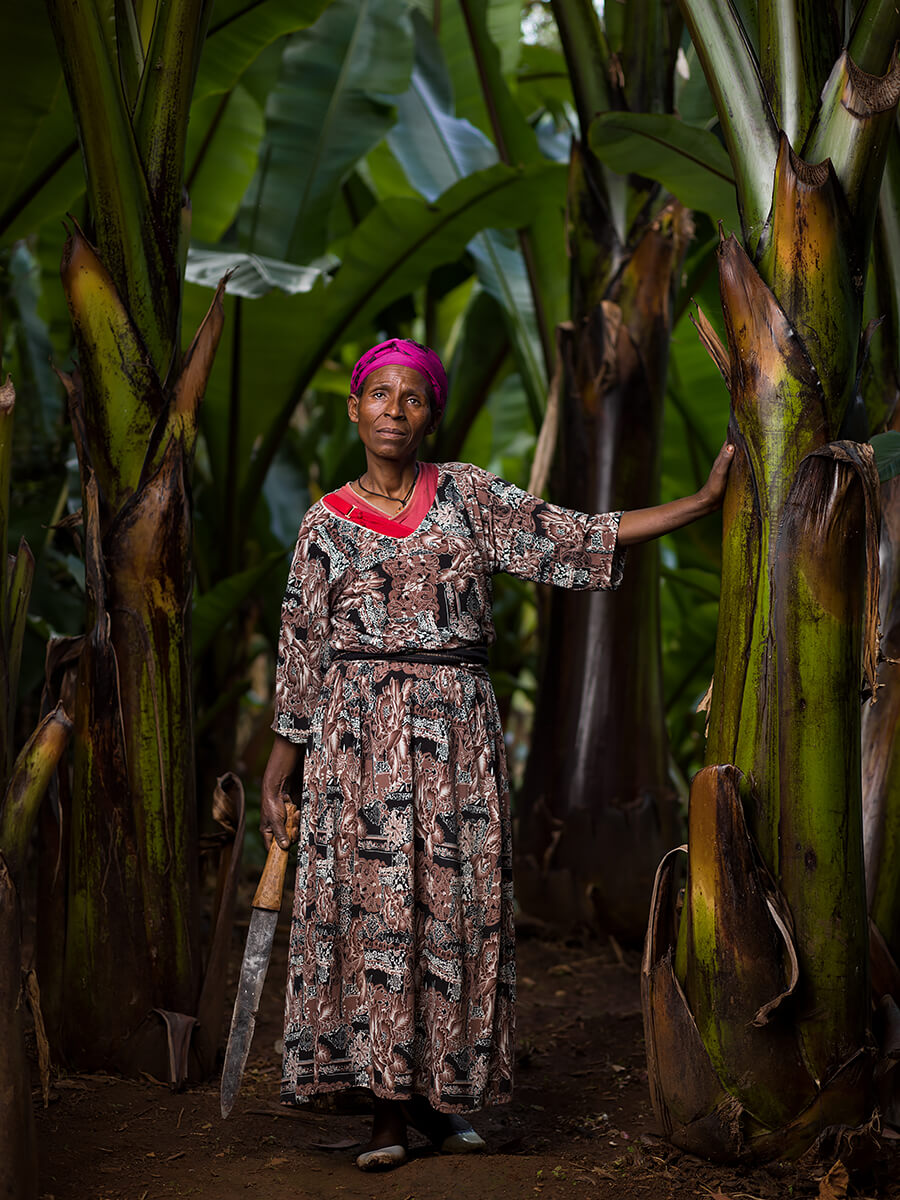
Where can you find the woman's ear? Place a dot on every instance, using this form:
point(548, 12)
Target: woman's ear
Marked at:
point(353, 408)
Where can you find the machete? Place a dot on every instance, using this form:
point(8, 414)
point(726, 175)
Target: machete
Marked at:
point(263, 919)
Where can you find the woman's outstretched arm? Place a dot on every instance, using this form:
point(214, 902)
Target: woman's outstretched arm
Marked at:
point(644, 524)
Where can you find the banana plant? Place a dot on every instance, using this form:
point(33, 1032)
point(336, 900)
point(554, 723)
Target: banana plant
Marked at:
point(134, 401)
point(23, 781)
point(756, 988)
point(598, 805)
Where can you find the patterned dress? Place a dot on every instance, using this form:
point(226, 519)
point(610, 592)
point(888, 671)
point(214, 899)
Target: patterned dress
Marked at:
point(401, 973)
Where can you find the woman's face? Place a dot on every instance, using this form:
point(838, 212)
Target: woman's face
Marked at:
point(393, 412)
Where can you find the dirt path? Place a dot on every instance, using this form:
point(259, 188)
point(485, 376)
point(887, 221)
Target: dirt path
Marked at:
point(580, 1124)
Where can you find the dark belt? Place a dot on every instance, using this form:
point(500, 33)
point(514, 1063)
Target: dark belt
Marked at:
point(453, 656)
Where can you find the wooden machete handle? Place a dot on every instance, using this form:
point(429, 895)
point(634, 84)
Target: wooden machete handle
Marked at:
point(271, 883)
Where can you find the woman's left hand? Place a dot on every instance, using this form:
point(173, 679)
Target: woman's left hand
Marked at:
point(713, 491)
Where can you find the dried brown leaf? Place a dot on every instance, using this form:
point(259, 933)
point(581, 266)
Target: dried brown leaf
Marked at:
point(33, 992)
point(713, 343)
point(834, 1185)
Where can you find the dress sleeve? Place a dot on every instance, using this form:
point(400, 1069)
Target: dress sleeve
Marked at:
point(303, 641)
point(545, 543)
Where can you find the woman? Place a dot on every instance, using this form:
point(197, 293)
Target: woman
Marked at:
point(401, 972)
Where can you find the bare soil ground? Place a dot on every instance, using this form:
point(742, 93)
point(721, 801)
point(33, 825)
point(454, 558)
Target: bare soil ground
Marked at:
point(580, 1124)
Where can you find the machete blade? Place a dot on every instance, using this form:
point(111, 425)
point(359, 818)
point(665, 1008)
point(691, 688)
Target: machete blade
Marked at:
point(246, 1004)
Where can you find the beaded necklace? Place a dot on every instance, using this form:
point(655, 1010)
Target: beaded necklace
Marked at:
point(393, 499)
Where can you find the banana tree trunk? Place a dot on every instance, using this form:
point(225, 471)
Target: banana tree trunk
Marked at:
point(597, 785)
point(766, 981)
point(133, 907)
point(131, 939)
point(598, 809)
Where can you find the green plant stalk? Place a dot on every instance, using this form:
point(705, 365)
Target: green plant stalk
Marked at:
point(30, 777)
point(778, 418)
point(134, 871)
point(20, 582)
point(516, 144)
point(587, 57)
point(123, 397)
point(798, 42)
point(800, 540)
point(853, 129)
point(588, 60)
point(818, 284)
point(738, 965)
point(131, 240)
point(742, 951)
point(819, 626)
point(130, 50)
point(748, 125)
point(133, 884)
point(173, 55)
point(652, 36)
point(148, 561)
point(874, 35)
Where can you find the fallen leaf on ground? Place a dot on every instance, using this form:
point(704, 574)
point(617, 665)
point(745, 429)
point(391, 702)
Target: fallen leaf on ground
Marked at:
point(834, 1185)
point(343, 1144)
point(277, 1162)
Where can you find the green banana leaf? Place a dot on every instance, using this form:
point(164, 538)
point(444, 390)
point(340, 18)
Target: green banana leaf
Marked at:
point(41, 173)
point(480, 354)
point(691, 163)
point(542, 83)
point(240, 30)
point(436, 149)
point(40, 168)
point(222, 154)
point(502, 19)
point(887, 454)
point(328, 109)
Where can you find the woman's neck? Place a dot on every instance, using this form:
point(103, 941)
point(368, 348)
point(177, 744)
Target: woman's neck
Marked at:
point(387, 485)
point(392, 479)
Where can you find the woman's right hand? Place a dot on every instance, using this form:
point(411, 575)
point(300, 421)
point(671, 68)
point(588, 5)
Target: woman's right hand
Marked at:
point(283, 762)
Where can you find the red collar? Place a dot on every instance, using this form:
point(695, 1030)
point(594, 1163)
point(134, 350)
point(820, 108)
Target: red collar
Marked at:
point(346, 503)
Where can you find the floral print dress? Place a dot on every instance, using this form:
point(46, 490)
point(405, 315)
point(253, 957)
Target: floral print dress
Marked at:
point(401, 973)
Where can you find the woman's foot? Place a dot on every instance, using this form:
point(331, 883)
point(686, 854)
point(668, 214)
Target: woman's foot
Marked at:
point(387, 1145)
point(449, 1132)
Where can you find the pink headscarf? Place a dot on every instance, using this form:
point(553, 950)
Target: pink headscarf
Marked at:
point(403, 352)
